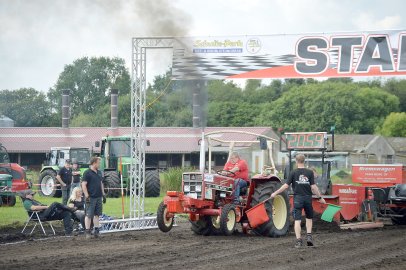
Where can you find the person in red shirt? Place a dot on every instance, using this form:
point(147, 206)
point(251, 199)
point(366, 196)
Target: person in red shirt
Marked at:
point(239, 171)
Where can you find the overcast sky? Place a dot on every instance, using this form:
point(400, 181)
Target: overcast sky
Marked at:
point(39, 37)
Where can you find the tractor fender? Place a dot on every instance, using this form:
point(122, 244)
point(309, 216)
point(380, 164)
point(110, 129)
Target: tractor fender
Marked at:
point(271, 177)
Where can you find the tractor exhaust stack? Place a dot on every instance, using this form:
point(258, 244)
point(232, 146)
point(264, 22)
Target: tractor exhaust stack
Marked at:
point(65, 108)
point(114, 108)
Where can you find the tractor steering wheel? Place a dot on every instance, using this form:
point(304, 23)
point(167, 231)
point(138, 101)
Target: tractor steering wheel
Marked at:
point(225, 173)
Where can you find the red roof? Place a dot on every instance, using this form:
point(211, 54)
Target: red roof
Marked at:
point(163, 139)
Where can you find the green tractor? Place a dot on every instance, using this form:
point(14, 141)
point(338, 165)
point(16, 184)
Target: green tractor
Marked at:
point(115, 153)
point(56, 160)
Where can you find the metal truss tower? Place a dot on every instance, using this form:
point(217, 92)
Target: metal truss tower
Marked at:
point(138, 118)
point(138, 220)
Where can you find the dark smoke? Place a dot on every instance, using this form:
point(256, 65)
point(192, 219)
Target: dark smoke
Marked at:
point(39, 37)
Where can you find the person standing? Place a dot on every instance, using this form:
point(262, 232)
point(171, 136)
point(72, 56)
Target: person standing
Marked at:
point(237, 168)
point(64, 178)
point(302, 181)
point(75, 176)
point(92, 186)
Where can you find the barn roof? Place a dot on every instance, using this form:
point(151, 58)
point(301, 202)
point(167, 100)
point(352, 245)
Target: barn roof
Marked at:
point(163, 139)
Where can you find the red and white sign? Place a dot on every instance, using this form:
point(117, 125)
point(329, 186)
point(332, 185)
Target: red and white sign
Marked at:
point(378, 175)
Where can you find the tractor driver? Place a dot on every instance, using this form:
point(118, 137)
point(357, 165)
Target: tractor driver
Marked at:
point(239, 171)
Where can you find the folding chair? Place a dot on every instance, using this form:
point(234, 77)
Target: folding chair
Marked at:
point(34, 217)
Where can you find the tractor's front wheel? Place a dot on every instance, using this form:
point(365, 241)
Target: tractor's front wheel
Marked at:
point(165, 223)
point(47, 184)
point(228, 219)
point(277, 209)
point(9, 200)
point(400, 220)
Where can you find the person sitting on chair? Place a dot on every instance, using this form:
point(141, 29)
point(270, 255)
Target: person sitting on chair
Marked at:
point(56, 211)
point(77, 203)
point(238, 169)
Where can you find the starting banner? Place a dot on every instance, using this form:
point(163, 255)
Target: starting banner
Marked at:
point(350, 54)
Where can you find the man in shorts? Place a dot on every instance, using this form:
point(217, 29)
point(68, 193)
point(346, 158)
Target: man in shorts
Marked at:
point(92, 186)
point(302, 181)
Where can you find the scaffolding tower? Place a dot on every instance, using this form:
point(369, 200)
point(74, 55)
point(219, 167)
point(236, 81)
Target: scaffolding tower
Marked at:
point(137, 219)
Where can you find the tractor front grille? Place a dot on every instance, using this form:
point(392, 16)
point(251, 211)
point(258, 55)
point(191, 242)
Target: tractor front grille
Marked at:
point(193, 184)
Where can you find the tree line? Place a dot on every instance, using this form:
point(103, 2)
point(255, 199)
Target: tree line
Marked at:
point(362, 107)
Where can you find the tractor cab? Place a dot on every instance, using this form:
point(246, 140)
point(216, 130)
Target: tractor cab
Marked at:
point(58, 155)
point(47, 182)
point(116, 160)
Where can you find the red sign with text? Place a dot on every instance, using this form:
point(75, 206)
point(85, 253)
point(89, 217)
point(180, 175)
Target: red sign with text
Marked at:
point(378, 175)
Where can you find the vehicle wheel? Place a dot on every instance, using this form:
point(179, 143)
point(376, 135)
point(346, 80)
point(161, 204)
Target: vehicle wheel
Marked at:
point(47, 184)
point(228, 219)
point(215, 225)
point(277, 209)
point(202, 226)
point(111, 184)
point(400, 220)
point(152, 183)
point(164, 223)
point(9, 200)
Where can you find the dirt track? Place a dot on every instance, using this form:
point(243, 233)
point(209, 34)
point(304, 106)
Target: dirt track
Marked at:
point(181, 249)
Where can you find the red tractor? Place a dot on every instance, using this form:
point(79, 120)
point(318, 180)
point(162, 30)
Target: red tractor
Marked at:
point(207, 197)
point(13, 178)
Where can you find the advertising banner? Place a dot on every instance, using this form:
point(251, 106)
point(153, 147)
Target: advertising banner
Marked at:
point(349, 54)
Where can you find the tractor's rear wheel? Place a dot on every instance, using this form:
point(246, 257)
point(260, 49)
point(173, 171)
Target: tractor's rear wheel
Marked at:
point(152, 183)
point(203, 226)
point(47, 184)
point(165, 223)
point(111, 184)
point(277, 209)
point(228, 219)
point(9, 200)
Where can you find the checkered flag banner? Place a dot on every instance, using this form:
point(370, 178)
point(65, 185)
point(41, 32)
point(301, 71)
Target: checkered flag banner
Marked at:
point(349, 54)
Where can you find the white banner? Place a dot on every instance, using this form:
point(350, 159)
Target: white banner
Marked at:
point(350, 54)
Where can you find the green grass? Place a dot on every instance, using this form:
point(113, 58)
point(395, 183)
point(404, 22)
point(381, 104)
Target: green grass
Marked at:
point(16, 215)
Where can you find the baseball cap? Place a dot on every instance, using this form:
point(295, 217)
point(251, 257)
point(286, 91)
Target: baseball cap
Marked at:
point(24, 193)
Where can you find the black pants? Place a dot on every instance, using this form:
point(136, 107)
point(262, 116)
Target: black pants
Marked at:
point(301, 202)
point(57, 211)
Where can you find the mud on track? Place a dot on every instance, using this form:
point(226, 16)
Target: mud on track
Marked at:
point(181, 249)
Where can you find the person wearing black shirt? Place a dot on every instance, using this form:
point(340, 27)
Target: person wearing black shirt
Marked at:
point(75, 176)
point(302, 181)
point(64, 178)
point(92, 186)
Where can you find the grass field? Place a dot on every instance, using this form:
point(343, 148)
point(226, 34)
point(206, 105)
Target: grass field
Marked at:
point(16, 216)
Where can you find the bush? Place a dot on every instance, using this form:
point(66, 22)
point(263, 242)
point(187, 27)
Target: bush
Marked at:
point(171, 180)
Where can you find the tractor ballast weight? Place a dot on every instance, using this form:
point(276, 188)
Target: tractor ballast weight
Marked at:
point(208, 198)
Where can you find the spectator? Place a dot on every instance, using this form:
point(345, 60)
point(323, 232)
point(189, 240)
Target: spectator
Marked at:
point(55, 211)
point(93, 189)
point(75, 176)
point(77, 203)
point(64, 178)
